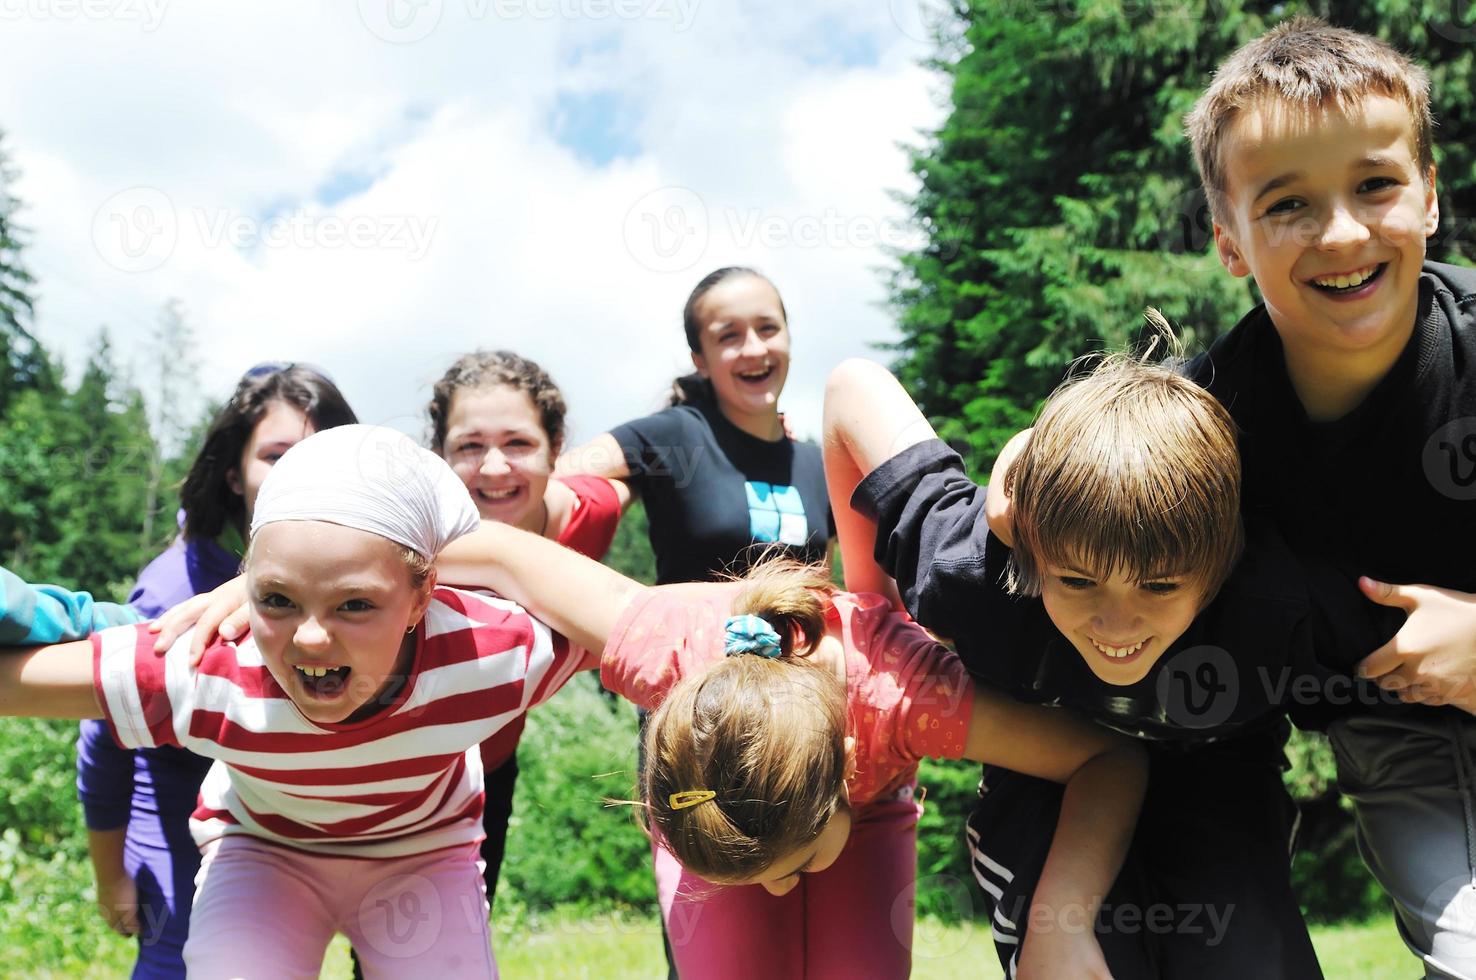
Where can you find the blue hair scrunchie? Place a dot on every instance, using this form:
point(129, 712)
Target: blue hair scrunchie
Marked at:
point(750, 634)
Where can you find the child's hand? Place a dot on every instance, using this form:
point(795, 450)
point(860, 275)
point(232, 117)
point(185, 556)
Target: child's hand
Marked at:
point(1432, 659)
point(223, 611)
point(117, 900)
point(996, 501)
point(1062, 953)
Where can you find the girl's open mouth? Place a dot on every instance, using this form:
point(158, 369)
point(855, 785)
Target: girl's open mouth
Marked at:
point(756, 377)
point(498, 497)
point(325, 683)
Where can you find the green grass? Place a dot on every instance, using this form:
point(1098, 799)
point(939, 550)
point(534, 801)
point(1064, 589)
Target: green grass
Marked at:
point(570, 946)
point(629, 948)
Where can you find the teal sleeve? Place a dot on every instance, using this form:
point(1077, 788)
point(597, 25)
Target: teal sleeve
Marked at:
point(33, 614)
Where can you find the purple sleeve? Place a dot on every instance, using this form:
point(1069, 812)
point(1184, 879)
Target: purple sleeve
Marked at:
point(164, 582)
point(105, 770)
point(104, 777)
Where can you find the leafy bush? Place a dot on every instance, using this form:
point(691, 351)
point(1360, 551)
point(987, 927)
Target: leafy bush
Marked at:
point(565, 846)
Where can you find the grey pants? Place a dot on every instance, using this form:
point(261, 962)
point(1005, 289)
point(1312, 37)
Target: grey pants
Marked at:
point(1413, 788)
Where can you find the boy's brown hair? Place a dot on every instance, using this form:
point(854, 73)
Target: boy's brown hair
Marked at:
point(1131, 467)
point(1304, 63)
point(765, 735)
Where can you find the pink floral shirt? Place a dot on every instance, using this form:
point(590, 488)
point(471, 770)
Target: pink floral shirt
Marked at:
point(907, 695)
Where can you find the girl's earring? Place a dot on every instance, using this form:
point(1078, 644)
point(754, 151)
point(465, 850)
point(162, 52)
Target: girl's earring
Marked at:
point(411, 628)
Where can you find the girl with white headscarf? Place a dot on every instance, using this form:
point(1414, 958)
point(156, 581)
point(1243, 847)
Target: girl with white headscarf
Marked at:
point(346, 795)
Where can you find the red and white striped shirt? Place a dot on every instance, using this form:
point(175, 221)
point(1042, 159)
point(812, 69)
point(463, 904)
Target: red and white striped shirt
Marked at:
point(406, 781)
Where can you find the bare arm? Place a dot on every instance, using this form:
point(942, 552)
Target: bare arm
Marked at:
point(601, 456)
point(869, 418)
point(117, 895)
point(49, 682)
point(575, 595)
point(997, 502)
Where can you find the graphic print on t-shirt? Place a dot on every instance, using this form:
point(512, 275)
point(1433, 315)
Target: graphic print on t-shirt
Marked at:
point(776, 513)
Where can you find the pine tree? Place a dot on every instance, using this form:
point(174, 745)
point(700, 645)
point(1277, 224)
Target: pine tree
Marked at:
point(23, 362)
point(1060, 198)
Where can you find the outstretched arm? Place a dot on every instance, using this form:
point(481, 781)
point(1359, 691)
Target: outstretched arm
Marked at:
point(49, 682)
point(869, 418)
point(1105, 777)
point(575, 595)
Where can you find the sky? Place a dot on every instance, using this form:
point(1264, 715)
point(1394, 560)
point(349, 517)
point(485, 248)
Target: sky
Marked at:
point(378, 186)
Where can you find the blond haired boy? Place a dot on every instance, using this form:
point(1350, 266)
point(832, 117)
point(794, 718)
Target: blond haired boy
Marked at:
point(1128, 599)
point(1353, 388)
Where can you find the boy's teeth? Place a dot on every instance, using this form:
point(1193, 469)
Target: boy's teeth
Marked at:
point(314, 671)
point(1118, 652)
point(1344, 282)
point(500, 494)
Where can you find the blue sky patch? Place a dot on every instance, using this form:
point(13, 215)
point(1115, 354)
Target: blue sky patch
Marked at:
point(598, 127)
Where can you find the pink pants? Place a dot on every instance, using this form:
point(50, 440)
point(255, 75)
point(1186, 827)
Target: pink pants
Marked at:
point(854, 919)
point(266, 911)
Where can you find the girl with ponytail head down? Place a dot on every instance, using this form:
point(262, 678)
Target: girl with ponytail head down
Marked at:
point(781, 759)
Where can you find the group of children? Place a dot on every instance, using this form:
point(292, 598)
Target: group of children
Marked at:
point(1173, 560)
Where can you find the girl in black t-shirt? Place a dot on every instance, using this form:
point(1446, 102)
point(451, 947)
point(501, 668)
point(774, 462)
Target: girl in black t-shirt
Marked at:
point(721, 479)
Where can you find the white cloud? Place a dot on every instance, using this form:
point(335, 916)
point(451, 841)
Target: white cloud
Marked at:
point(243, 112)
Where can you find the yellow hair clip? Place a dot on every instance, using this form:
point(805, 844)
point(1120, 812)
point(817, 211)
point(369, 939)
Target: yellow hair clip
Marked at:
point(690, 798)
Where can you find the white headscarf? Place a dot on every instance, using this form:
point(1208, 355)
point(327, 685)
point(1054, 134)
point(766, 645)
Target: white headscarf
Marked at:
point(373, 479)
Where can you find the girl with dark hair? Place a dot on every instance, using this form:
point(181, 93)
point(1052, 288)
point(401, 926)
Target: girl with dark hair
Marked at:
point(137, 804)
point(722, 481)
point(498, 419)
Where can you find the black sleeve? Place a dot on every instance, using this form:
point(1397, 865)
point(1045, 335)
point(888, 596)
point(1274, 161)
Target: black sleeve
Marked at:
point(649, 443)
point(931, 534)
point(1312, 610)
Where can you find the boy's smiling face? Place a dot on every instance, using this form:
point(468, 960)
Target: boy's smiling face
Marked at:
point(1329, 212)
point(1120, 626)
